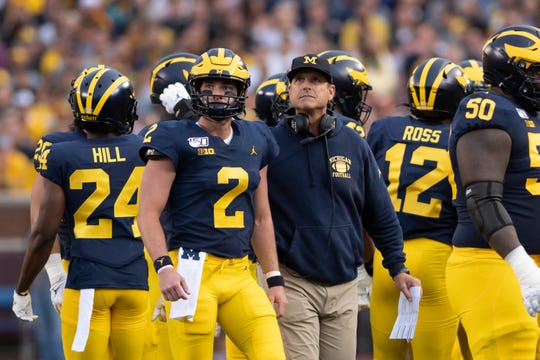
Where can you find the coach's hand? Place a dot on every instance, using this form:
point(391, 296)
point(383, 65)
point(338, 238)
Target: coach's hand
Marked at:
point(363, 289)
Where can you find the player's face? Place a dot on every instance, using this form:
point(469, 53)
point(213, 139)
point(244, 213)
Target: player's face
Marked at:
point(533, 72)
point(221, 90)
point(310, 90)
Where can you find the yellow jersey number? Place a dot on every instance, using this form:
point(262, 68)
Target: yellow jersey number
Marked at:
point(122, 206)
point(410, 203)
point(224, 176)
point(483, 109)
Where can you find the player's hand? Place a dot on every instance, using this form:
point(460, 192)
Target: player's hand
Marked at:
point(159, 311)
point(363, 288)
point(57, 292)
point(528, 275)
point(22, 307)
point(531, 298)
point(172, 95)
point(173, 285)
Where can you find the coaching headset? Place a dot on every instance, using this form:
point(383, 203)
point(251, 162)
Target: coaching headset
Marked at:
point(299, 125)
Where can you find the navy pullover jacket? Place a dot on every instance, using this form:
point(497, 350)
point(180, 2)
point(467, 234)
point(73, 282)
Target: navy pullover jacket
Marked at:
point(322, 194)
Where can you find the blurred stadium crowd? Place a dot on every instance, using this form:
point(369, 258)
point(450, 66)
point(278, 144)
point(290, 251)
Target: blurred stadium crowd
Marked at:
point(44, 43)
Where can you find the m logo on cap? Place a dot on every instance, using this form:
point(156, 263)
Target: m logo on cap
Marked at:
point(310, 60)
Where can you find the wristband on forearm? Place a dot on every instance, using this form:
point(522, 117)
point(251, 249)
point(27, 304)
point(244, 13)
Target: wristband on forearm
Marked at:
point(274, 278)
point(163, 262)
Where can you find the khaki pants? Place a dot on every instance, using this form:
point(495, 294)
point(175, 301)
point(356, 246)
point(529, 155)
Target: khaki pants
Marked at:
point(320, 321)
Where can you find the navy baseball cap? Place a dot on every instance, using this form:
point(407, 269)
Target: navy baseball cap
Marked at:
point(310, 62)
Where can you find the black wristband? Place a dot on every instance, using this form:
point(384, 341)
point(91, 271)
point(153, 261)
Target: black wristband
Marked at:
point(162, 261)
point(277, 280)
point(369, 267)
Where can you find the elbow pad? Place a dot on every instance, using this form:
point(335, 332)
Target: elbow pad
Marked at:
point(484, 203)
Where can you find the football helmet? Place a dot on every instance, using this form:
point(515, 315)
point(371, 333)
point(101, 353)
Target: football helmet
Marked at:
point(511, 61)
point(223, 64)
point(169, 70)
point(77, 80)
point(473, 69)
point(272, 99)
point(104, 101)
point(352, 84)
point(436, 87)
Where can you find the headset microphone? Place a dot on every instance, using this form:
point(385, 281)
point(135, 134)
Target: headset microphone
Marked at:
point(311, 139)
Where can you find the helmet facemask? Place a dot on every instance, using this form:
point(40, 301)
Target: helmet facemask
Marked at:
point(204, 102)
point(224, 65)
point(354, 105)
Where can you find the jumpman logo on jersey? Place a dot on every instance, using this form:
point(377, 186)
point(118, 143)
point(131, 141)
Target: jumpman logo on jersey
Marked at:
point(253, 152)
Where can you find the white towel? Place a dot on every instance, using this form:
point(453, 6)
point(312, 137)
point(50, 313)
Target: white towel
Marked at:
point(191, 269)
point(86, 306)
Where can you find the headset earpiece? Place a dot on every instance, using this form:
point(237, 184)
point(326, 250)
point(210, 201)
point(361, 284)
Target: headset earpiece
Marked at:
point(327, 124)
point(298, 123)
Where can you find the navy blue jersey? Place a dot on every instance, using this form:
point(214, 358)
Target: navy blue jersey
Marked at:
point(522, 179)
point(165, 218)
point(43, 147)
point(211, 199)
point(415, 164)
point(350, 122)
point(101, 179)
point(321, 194)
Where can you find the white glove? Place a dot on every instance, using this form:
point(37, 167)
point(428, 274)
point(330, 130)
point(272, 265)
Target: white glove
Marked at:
point(22, 307)
point(57, 278)
point(173, 94)
point(57, 292)
point(528, 275)
point(364, 288)
point(159, 311)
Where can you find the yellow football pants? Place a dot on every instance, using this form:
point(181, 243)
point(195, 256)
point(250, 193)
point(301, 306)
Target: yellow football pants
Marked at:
point(119, 318)
point(437, 325)
point(230, 295)
point(486, 295)
point(156, 343)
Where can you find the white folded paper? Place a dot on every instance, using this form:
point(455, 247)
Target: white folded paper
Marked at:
point(191, 268)
point(405, 324)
